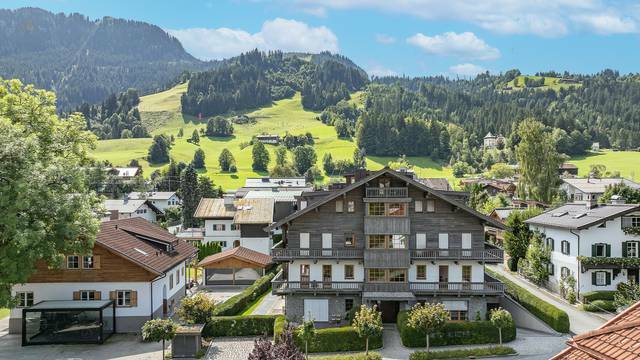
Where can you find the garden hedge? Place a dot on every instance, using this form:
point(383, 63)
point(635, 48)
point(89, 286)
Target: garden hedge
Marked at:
point(462, 353)
point(454, 333)
point(553, 316)
point(237, 304)
point(278, 327)
point(598, 295)
point(358, 356)
point(599, 305)
point(246, 325)
point(336, 339)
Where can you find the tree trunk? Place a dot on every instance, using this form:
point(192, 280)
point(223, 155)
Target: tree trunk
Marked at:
point(366, 347)
point(500, 334)
point(306, 350)
point(162, 349)
point(427, 343)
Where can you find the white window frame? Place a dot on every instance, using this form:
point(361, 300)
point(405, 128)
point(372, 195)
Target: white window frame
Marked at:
point(443, 241)
point(170, 281)
point(418, 206)
point(77, 262)
point(466, 240)
point(633, 244)
point(601, 278)
point(566, 251)
point(85, 295)
point(351, 206)
point(303, 204)
point(121, 298)
point(430, 205)
point(635, 221)
point(88, 259)
point(327, 244)
point(304, 244)
point(25, 299)
point(339, 206)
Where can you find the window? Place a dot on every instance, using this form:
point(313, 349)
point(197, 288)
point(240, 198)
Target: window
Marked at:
point(418, 206)
point(73, 262)
point(339, 206)
point(421, 272)
point(387, 209)
point(376, 241)
point(305, 271)
point(466, 241)
point(87, 262)
point(603, 225)
point(564, 272)
point(25, 299)
point(398, 242)
point(601, 278)
point(351, 207)
point(443, 241)
point(458, 315)
point(349, 239)
point(177, 276)
point(348, 272)
point(182, 270)
point(303, 204)
point(565, 248)
point(600, 250)
point(549, 243)
point(635, 222)
point(551, 268)
point(235, 227)
point(123, 298)
point(396, 209)
point(304, 240)
point(170, 281)
point(348, 305)
point(632, 249)
point(397, 275)
point(431, 205)
point(387, 241)
point(466, 273)
point(376, 275)
point(421, 241)
point(385, 183)
point(376, 209)
point(387, 275)
point(219, 227)
point(87, 295)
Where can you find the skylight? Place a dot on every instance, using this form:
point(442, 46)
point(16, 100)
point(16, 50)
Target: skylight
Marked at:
point(559, 214)
point(578, 216)
point(141, 252)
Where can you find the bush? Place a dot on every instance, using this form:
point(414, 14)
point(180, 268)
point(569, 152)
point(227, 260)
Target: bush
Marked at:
point(599, 305)
point(598, 295)
point(512, 264)
point(454, 333)
point(334, 339)
point(278, 327)
point(463, 353)
point(196, 309)
point(554, 317)
point(246, 325)
point(358, 356)
point(238, 303)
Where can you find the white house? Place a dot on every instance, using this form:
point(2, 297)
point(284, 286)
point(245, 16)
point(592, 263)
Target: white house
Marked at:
point(591, 244)
point(160, 199)
point(589, 190)
point(127, 208)
point(136, 264)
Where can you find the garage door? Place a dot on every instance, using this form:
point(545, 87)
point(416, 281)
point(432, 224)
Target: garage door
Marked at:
point(316, 309)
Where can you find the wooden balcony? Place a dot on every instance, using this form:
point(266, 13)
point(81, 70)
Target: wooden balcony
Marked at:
point(387, 192)
point(286, 254)
point(457, 288)
point(491, 255)
point(387, 258)
point(386, 287)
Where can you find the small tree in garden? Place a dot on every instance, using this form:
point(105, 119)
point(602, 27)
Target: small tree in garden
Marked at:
point(284, 348)
point(501, 318)
point(627, 295)
point(159, 330)
point(307, 331)
point(367, 322)
point(196, 309)
point(428, 318)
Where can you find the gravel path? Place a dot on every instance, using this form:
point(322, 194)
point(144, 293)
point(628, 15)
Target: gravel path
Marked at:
point(230, 348)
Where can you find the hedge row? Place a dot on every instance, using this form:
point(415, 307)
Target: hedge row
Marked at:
point(461, 354)
point(598, 295)
point(454, 333)
point(358, 356)
point(554, 317)
point(236, 305)
point(246, 325)
point(334, 339)
point(599, 305)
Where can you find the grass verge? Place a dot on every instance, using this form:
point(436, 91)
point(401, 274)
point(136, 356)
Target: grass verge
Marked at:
point(463, 353)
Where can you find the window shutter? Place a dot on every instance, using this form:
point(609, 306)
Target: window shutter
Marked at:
point(568, 248)
point(608, 250)
point(112, 295)
point(418, 206)
point(134, 298)
point(608, 278)
point(96, 261)
point(551, 269)
point(98, 295)
point(593, 250)
point(76, 295)
point(624, 249)
point(593, 278)
point(551, 245)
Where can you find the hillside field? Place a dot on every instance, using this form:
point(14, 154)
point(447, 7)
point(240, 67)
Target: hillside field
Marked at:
point(627, 162)
point(161, 114)
point(549, 83)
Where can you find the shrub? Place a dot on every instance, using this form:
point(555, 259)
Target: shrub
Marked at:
point(246, 325)
point(358, 356)
point(599, 305)
point(278, 327)
point(337, 339)
point(554, 317)
point(462, 353)
point(237, 304)
point(454, 333)
point(196, 309)
point(598, 295)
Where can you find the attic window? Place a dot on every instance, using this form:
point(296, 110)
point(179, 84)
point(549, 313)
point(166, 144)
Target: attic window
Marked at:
point(141, 252)
point(560, 214)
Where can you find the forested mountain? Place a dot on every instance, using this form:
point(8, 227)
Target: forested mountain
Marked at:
point(256, 78)
point(85, 60)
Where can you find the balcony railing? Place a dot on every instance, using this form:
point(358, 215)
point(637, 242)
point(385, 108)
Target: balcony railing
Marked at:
point(387, 192)
point(287, 253)
point(386, 287)
point(487, 255)
point(486, 288)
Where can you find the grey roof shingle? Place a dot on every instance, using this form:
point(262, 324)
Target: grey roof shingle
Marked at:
point(598, 186)
point(578, 216)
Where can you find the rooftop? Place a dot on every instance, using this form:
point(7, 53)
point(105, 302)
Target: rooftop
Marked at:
point(578, 216)
point(592, 185)
point(152, 195)
point(276, 195)
point(239, 253)
point(243, 211)
point(269, 182)
point(123, 206)
point(126, 171)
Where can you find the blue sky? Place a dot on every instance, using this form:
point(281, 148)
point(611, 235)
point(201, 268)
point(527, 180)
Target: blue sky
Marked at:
point(412, 37)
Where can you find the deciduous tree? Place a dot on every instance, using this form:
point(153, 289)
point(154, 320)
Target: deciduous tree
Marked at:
point(427, 317)
point(197, 309)
point(159, 330)
point(306, 332)
point(500, 318)
point(367, 322)
point(304, 157)
point(198, 159)
point(226, 159)
point(260, 157)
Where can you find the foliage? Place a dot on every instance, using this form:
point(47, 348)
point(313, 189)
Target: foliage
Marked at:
point(501, 171)
point(631, 230)
point(597, 295)
point(293, 141)
point(240, 325)
point(159, 150)
point(304, 157)
point(337, 167)
point(627, 295)
point(196, 309)
point(219, 126)
point(536, 262)
point(206, 249)
point(206, 188)
point(553, 316)
point(629, 194)
point(478, 196)
point(367, 322)
point(283, 171)
point(278, 327)
point(116, 117)
point(159, 330)
point(281, 156)
point(226, 159)
point(343, 117)
point(173, 214)
point(568, 288)
point(463, 353)
point(260, 157)
point(599, 305)
point(357, 356)
point(427, 318)
point(494, 202)
point(198, 159)
point(284, 348)
point(461, 168)
point(538, 160)
point(195, 137)
point(623, 262)
point(454, 333)
point(236, 304)
point(306, 332)
point(313, 174)
point(190, 196)
point(46, 208)
point(516, 240)
point(338, 339)
point(501, 319)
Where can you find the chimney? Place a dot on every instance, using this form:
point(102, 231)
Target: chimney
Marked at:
point(113, 215)
point(617, 200)
point(591, 202)
point(228, 200)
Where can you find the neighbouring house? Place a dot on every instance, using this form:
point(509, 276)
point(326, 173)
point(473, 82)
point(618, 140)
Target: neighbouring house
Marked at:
point(273, 184)
point(389, 240)
point(492, 186)
point(135, 265)
point(616, 339)
point(528, 204)
point(159, 199)
point(234, 266)
point(491, 141)
point(496, 235)
point(235, 222)
point(191, 235)
point(127, 208)
point(268, 138)
point(593, 244)
point(589, 190)
point(568, 169)
point(125, 174)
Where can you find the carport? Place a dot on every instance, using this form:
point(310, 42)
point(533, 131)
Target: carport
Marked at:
point(236, 266)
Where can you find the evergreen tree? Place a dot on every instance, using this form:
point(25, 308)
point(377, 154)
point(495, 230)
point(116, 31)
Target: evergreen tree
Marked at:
point(281, 156)
point(304, 157)
point(195, 137)
point(206, 188)
point(198, 159)
point(260, 157)
point(225, 160)
point(190, 196)
point(159, 150)
point(219, 126)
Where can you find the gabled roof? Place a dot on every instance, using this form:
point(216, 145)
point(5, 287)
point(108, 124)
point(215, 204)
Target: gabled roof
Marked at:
point(239, 253)
point(388, 171)
point(592, 185)
point(152, 195)
point(618, 338)
point(243, 211)
point(503, 213)
point(144, 243)
point(126, 171)
point(128, 206)
point(276, 195)
point(441, 184)
point(578, 216)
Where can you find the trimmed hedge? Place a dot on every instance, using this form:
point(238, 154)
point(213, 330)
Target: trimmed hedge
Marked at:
point(598, 295)
point(454, 333)
point(599, 305)
point(358, 356)
point(554, 317)
point(278, 327)
point(463, 353)
point(237, 304)
point(335, 339)
point(240, 325)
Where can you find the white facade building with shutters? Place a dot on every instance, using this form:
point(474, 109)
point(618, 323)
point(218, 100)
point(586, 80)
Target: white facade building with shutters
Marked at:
point(592, 244)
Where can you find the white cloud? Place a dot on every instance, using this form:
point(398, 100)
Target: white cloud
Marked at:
point(317, 11)
point(466, 70)
point(548, 18)
point(378, 70)
point(385, 39)
point(607, 24)
point(276, 34)
point(465, 45)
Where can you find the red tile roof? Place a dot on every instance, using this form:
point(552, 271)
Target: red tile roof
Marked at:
point(144, 243)
point(618, 339)
point(240, 253)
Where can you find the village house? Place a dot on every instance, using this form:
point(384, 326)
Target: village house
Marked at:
point(491, 141)
point(125, 174)
point(135, 272)
point(589, 190)
point(272, 139)
point(568, 170)
point(127, 208)
point(160, 199)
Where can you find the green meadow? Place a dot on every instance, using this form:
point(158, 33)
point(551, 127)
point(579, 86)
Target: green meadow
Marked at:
point(627, 162)
point(549, 83)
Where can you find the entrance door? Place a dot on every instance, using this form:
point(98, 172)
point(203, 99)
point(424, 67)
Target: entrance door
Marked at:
point(326, 276)
point(389, 311)
point(443, 276)
point(632, 275)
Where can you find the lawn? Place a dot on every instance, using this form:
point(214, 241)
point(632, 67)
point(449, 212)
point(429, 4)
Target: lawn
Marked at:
point(4, 313)
point(255, 304)
point(549, 83)
point(162, 115)
point(627, 162)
